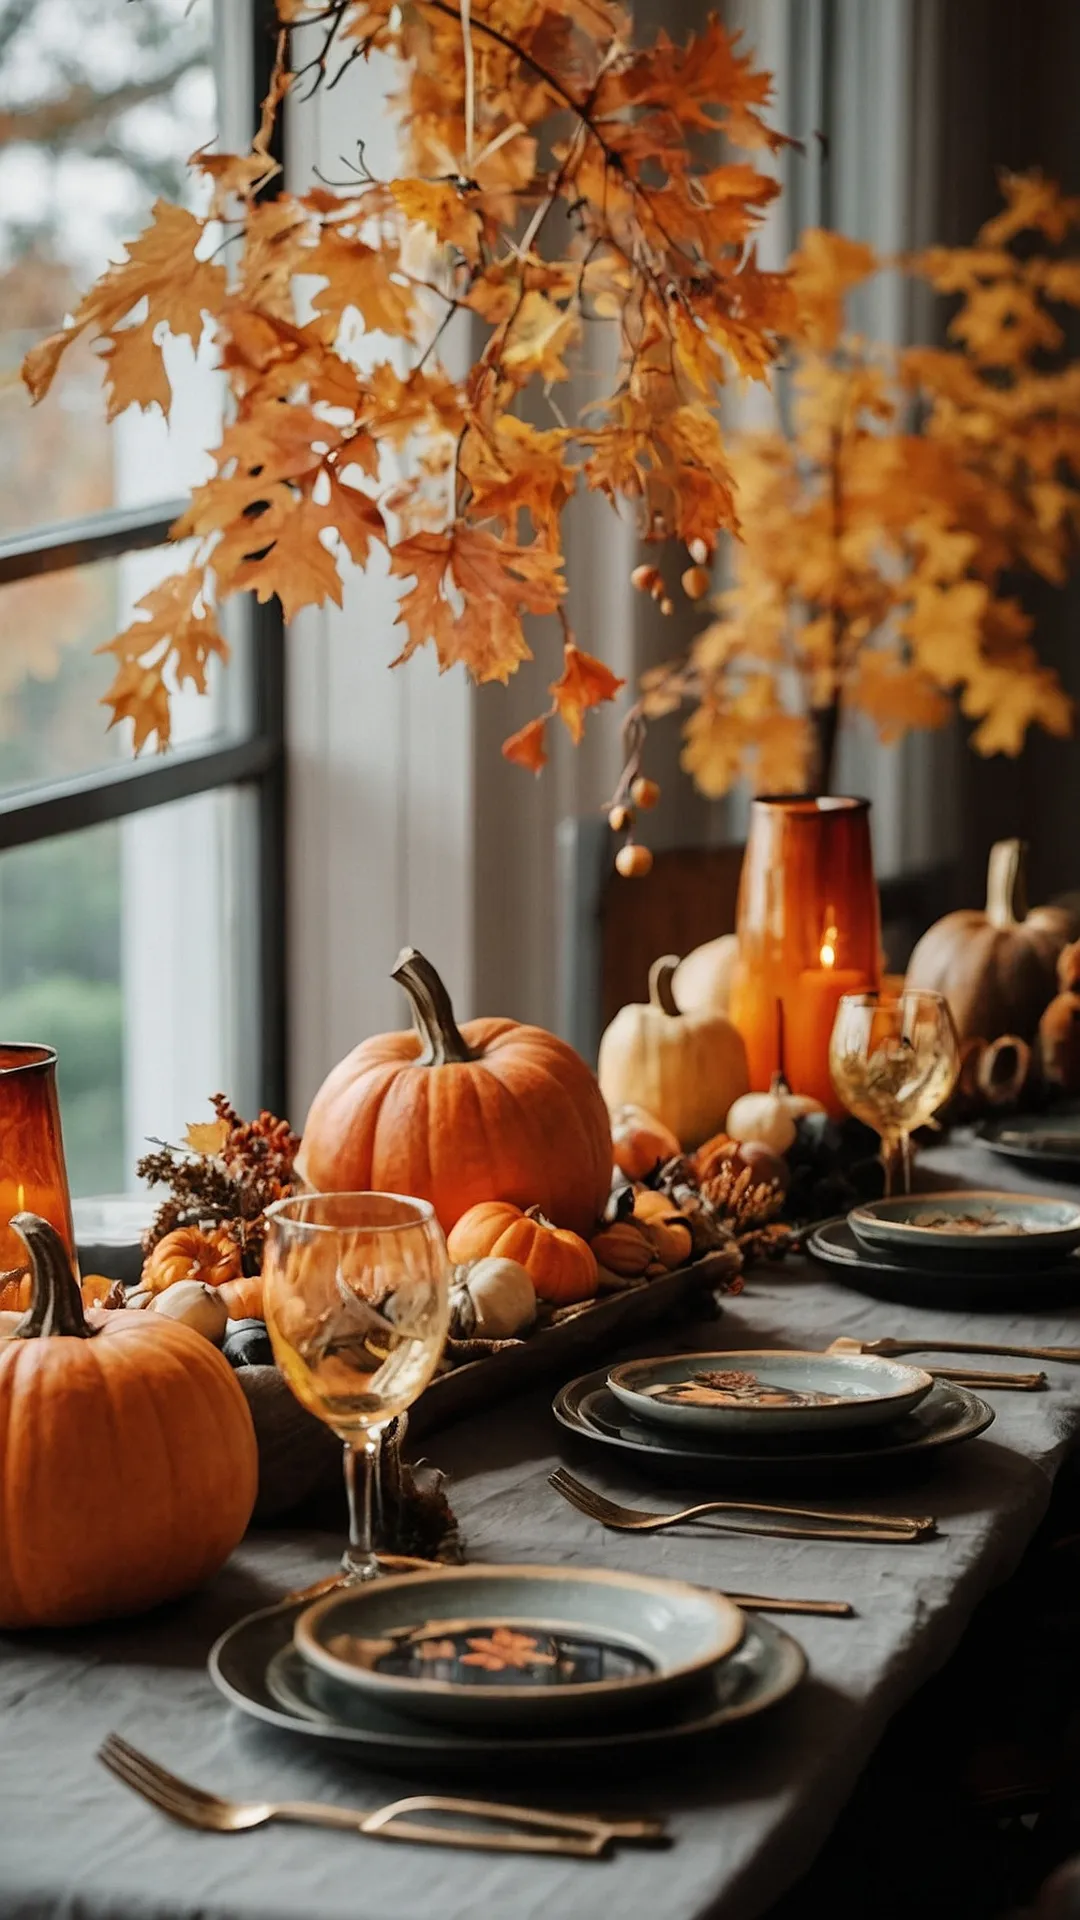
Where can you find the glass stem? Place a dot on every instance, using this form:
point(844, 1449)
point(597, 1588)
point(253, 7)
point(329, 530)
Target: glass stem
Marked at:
point(358, 1560)
point(892, 1159)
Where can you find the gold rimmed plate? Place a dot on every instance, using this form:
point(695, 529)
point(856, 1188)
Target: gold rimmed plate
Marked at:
point(518, 1646)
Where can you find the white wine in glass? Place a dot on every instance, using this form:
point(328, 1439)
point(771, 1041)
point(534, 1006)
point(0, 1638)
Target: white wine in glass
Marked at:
point(356, 1293)
point(894, 1062)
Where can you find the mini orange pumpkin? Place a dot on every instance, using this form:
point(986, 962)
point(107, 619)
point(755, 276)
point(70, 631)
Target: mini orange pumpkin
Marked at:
point(243, 1296)
point(560, 1265)
point(190, 1254)
point(640, 1142)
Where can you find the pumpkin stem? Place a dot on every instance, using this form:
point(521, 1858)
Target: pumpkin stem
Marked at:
point(56, 1303)
point(661, 975)
point(1006, 884)
point(433, 1014)
point(778, 1087)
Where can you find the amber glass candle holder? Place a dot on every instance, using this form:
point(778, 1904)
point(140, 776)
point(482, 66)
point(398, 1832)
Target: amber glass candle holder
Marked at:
point(33, 1177)
point(809, 931)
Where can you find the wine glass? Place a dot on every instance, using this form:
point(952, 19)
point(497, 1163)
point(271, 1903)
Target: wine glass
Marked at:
point(894, 1062)
point(356, 1294)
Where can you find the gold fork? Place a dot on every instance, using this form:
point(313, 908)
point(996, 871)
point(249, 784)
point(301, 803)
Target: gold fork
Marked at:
point(579, 1835)
point(795, 1523)
point(845, 1344)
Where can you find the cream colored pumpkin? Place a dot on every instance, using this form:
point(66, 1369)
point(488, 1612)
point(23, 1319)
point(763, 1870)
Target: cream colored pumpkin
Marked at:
point(702, 982)
point(769, 1118)
point(194, 1305)
point(684, 1068)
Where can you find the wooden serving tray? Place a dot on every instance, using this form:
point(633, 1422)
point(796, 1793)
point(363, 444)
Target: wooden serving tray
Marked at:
point(300, 1459)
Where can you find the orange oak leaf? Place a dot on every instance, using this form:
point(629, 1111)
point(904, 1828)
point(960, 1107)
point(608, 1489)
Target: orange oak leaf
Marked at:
point(823, 269)
point(583, 683)
point(135, 371)
point(179, 635)
point(362, 277)
point(471, 591)
point(442, 206)
point(538, 334)
point(526, 747)
point(162, 269)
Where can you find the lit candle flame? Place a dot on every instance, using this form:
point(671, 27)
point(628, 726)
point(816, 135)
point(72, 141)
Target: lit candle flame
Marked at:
point(828, 948)
point(21, 1196)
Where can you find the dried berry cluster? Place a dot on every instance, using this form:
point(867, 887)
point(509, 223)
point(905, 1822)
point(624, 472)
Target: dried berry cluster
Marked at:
point(227, 1173)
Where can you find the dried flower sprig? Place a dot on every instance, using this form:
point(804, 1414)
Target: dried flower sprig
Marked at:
point(228, 1171)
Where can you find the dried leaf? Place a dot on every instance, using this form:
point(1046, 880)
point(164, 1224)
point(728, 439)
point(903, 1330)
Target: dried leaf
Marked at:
point(526, 747)
point(207, 1136)
point(584, 682)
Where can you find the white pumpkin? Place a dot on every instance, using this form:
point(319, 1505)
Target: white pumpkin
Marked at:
point(503, 1298)
point(684, 1068)
point(769, 1118)
point(702, 982)
point(194, 1305)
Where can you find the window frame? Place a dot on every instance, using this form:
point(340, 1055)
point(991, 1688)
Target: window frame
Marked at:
point(256, 759)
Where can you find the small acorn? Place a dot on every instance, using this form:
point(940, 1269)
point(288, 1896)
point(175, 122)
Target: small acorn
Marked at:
point(696, 582)
point(644, 793)
point(633, 861)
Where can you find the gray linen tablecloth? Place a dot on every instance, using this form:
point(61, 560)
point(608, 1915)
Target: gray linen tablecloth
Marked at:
point(747, 1815)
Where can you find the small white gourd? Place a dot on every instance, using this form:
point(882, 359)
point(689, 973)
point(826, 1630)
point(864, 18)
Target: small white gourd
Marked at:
point(503, 1298)
point(194, 1305)
point(769, 1117)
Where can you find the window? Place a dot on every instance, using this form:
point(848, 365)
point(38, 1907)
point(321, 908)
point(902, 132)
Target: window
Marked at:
point(140, 901)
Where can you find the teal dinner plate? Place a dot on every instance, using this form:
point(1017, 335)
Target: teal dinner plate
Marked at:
point(257, 1667)
point(964, 1288)
point(1047, 1142)
point(763, 1392)
point(949, 1413)
point(970, 1228)
point(518, 1646)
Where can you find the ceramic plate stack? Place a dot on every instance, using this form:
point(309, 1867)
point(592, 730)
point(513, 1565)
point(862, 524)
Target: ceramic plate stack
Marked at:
point(474, 1668)
point(1045, 1143)
point(970, 1249)
point(725, 1418)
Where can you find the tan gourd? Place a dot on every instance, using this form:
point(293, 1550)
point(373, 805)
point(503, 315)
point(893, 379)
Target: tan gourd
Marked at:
point(502, 1297)
point(702, 982)
point(194, 1305)
point(685, 1069)
point(995, 966)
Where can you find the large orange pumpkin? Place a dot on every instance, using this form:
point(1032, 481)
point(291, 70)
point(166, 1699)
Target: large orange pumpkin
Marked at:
point(561, 1267)
point(489, 1111)
point(128, 1465)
